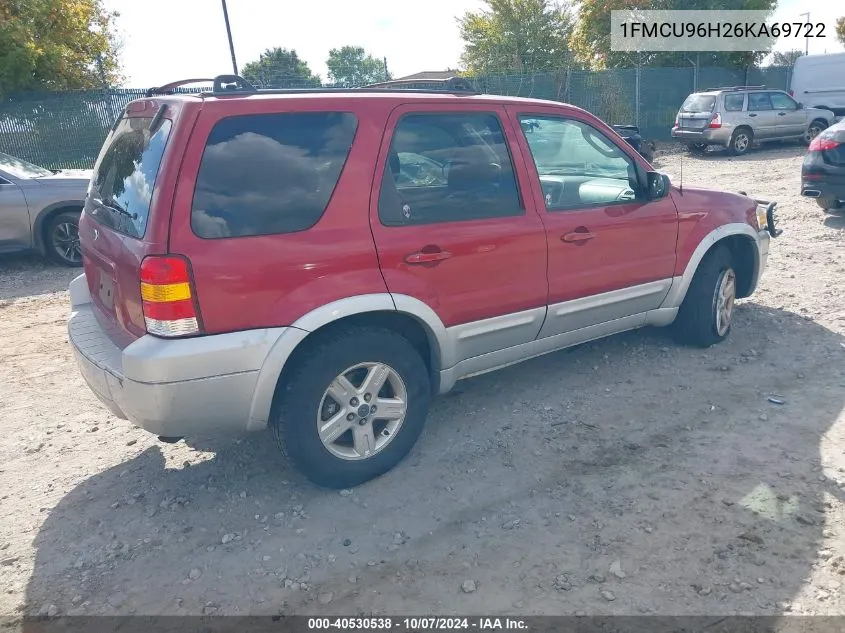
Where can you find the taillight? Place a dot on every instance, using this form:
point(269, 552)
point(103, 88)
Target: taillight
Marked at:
point(819, 144)
point(715, 120)
point(676, 122)
point(791, 93)
point(169, 301)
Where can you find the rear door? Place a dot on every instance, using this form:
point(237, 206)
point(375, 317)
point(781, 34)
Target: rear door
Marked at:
point(761, 116)
point(126, 214)
point(455, 225)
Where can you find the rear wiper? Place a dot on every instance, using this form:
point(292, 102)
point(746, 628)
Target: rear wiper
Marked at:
point(116, 208)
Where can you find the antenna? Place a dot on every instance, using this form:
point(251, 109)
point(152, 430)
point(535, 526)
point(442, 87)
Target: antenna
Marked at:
point(681, 183)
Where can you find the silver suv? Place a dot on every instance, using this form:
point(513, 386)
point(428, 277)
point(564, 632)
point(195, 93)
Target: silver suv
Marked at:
point(738, 116)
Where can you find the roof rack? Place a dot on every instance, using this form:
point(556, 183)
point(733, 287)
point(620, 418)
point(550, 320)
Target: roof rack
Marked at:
point(231, 85)
point(167, 89)
point(729, 88)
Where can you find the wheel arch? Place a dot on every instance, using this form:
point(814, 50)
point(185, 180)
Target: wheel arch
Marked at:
point(741, 240)
point(44, 216)
point(405, 315)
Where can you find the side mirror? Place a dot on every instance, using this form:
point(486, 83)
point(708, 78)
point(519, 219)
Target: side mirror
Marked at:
point(658, 185)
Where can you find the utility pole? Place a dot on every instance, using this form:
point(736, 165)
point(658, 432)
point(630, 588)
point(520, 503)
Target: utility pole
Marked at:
point(229, 34)
point(806, 36)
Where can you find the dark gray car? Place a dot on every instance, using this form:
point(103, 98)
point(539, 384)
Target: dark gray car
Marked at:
point(39, 209)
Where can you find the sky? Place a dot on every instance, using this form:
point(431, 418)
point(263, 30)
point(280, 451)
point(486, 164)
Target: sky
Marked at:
point(166, 40)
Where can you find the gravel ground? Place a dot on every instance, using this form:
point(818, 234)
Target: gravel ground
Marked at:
point(626, 476)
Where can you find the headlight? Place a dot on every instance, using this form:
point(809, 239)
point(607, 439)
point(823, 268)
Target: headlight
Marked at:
point(762, 217)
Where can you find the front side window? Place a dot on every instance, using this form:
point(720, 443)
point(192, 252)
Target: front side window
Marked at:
point(266, 174)
point(448, 167)
point(758, 101)
point(578, 165)
point(781, 101)
point(125, 175)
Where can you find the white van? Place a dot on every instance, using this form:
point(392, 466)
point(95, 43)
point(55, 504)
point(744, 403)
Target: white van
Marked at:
point(818, 81)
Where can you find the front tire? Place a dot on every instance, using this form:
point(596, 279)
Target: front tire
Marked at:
point(705, 316)
point(61, 239)
point(323, 418)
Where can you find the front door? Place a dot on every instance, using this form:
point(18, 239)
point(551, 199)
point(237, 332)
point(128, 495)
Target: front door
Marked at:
point(791, 120)
point(611, 251)
point(15, 228)
point(454, 229)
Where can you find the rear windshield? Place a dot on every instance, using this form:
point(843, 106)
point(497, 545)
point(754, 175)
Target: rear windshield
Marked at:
point(264, 174)
point(699, 103)
point(125, 175)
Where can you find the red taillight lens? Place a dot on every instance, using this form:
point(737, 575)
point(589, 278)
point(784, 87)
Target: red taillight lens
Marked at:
point(168, 298)
point(715, 120)
point(819, 144)
point(676, 122)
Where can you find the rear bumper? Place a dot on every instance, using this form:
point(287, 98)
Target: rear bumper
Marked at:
point(169, 387)
point(829, 183)
point(716, 136)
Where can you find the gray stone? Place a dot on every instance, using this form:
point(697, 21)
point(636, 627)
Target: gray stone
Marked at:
point(469, 586)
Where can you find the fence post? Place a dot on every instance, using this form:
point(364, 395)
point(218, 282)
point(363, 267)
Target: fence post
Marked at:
point(637, 91)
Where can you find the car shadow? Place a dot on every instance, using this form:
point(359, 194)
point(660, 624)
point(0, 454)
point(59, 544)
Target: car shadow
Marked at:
point(699, 470)
point(29, 274)
point(835, 220)
point(762, 152)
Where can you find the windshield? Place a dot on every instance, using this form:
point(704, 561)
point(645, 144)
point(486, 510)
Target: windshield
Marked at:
point(20, 168)
point(699, 103)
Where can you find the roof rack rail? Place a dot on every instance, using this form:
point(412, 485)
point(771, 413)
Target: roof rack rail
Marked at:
point(728, 88)
point(168, 89)
point(449, 84)
point(235, 85)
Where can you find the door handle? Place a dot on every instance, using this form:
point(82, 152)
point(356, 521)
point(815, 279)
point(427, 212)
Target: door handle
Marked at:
point(578, 236)
point(781, 113)
point(427, 256)
point(752, 114)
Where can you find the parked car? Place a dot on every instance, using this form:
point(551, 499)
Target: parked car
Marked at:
point(823, 170)
point(631, 134)
point(39, 209)
point(819, 82)
point(293, 259)
point(739, 116)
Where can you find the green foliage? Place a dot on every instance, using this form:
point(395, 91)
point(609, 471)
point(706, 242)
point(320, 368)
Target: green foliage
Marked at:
point(786, 58)
point(590, 40)
point(516, 36)
point(56, 45)
point(351, 66)
point(280, 68)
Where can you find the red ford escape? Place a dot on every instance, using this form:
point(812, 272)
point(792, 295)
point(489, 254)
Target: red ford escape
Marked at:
point(322, 262)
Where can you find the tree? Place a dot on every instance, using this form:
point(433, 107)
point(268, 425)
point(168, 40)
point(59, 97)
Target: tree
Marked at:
point(351, 66)
point(590, 39)
point(840, 30)
point(57, 45)
point(786, 58)
point(280, 68)
point(516, 36)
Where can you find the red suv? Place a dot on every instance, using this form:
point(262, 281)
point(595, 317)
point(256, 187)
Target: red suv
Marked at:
point(322, 262)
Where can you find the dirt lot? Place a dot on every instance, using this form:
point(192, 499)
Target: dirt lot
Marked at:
point(627, 476)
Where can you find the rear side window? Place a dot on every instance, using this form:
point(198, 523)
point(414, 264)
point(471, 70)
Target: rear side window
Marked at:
point(699, 103)
point(733, 103)
point(759, 101)
point(125, 175)
point(265, 174)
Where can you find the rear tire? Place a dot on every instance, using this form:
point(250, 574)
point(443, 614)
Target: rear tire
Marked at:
point(61, 239)
point(315, 394)
point(829, 205)
point(741, 141)
point(705, 316)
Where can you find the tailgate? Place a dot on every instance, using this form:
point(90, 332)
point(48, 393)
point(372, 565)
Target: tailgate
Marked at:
point(116, 230)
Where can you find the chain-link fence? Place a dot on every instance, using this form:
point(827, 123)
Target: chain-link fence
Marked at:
point(67, 129)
